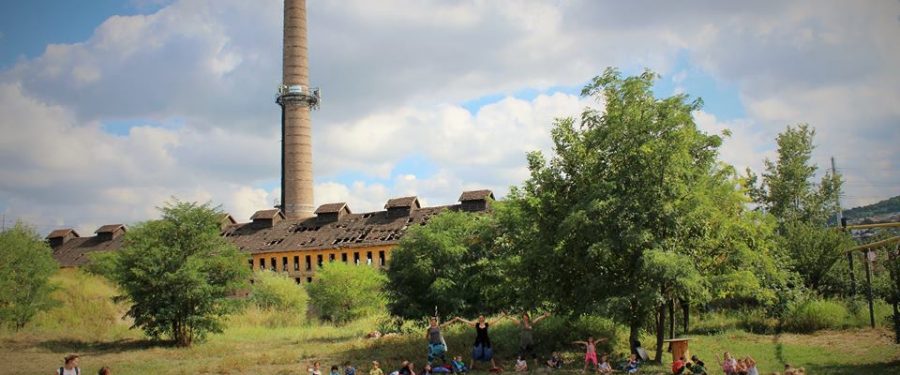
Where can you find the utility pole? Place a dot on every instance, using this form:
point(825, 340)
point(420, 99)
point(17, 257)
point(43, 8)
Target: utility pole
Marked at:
point(868, 259)
point(843, 223)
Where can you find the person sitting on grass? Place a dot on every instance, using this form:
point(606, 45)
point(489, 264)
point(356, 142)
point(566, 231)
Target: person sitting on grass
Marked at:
point(604, 366)
point(459, 366)
point(631, 366)
point(729, 364)
point(376, 369)
point(349, 369)
point(678, 366)
point(408, 368)
point(521, 364)
point(590, 352)
point(427, 369)
point(555, 361)
point(70, 366)
point(335, 370)
point(751, 366)
point(104, 371)
point(696, 368)
point(314, 370)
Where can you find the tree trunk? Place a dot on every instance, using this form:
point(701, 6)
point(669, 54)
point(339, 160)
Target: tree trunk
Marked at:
point(671, 306)
point(660, 331)
point(634, 327)
point(686, 310)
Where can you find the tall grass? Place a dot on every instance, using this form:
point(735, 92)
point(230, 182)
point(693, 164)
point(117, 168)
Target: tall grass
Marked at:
point(86, 311)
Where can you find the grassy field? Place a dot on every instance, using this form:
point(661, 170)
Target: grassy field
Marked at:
point(87, 324)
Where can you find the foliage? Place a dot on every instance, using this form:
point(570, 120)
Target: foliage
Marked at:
point(280, 296)
point(179, 272)
point(633, 210)
point(814, 250)
point(26, 265)
point(343, 292)
point(815, 314)
point(101, 263)
point(887, 206)
point(451, 264)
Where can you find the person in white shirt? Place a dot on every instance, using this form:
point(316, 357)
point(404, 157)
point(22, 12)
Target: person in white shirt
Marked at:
point(70, 367)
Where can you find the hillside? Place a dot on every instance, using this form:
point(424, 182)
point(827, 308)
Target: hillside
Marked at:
point(886, 207)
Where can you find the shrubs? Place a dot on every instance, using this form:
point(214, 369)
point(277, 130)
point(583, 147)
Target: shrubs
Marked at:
point(276, 300)
point(343, 292)
point(815, 314)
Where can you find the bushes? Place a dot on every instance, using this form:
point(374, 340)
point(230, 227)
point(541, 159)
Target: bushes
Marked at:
point(343, 292)
point(276, 301)
point(815, 314)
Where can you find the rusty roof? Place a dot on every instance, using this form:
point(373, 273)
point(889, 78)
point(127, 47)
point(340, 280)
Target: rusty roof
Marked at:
point(403, 202)
point(110, 228)
point(62, 233)
point(267, 214)
point(351, 230)
point(476, 195)
point(332, 208)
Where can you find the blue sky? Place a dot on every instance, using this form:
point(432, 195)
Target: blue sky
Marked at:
point(141, 100)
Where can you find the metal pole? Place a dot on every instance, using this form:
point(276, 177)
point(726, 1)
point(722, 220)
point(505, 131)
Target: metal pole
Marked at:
point(869, 289)
point(850, 263)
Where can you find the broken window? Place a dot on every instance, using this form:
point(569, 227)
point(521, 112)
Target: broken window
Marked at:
point(297, 280)
point(251, 264)
point(319, 260)
point(369, 258)
point(344, 257)
point(331, 257)
point(274, 265)
point(296, 263)
point(309, 262)
point(262, 264)
point(356, 258)
point(381, 258)
point(284, 264)
point(309, 279)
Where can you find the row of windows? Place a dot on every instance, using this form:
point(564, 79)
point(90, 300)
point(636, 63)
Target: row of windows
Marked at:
point(273, 264)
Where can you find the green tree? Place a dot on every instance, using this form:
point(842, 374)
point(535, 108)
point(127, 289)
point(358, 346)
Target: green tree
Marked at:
point(449, 264)
point(276, 291)
point(26, 264)
point(626, 214)
point(179, 272)
point(342, 292)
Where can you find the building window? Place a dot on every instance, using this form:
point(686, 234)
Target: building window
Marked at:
point(296, 263)
point(297, 280)
point(309, 262)
point(284, 264)
point(356, 258)
point(344, 257)
point(262, 264)
point(368, 258)
point(331, 257)
point(309, 279)
point(274, 265)
point(319, 260)
point(381, 258)
point(251, 264)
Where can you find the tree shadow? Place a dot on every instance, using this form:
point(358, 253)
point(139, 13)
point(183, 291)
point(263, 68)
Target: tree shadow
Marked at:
point(892, 367)
point(102, 347)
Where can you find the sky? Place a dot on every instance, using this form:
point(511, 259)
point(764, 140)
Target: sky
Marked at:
point(108, 109)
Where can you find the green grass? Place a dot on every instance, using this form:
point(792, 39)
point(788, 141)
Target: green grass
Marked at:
point(250, 348)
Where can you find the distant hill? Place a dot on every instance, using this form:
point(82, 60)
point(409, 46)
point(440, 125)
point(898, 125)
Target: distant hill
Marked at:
point(885, 208)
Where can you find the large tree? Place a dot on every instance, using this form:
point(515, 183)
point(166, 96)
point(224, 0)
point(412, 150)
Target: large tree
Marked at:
point(449, 264)
point(626, 212)
point(26, 265)
point(179, 272)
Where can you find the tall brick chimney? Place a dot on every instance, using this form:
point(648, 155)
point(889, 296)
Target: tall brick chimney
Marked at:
point(296, 99)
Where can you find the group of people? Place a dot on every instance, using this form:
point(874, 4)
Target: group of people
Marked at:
point(70, 367)
point(738, 366)
point(482, 349)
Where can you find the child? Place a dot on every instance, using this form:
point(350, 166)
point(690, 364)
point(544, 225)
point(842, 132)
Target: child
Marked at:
point(334, 370)
point(376, 369)
point(678, 366)
point(521, 365)
point(590, 352)
point(555, 361)
point(604, 367)
point(632, 366)
point(458, 365)
point(70, 366)
point(751, 366)
point(729, 365)
point(349, 369)
point(314, 370)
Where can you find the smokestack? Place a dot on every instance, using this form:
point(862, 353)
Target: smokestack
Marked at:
point(297, 99)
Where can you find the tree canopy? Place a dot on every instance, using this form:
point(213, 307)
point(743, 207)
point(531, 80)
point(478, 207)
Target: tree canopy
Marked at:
point(342, 292)
point(178, 272)
point(26, 264)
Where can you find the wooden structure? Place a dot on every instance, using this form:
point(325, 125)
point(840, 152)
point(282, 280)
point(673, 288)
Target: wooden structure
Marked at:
point(679, 348)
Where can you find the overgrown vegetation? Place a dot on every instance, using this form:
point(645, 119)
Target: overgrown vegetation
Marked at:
point(343, 292)
point(25, 268)
point(277, 299)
